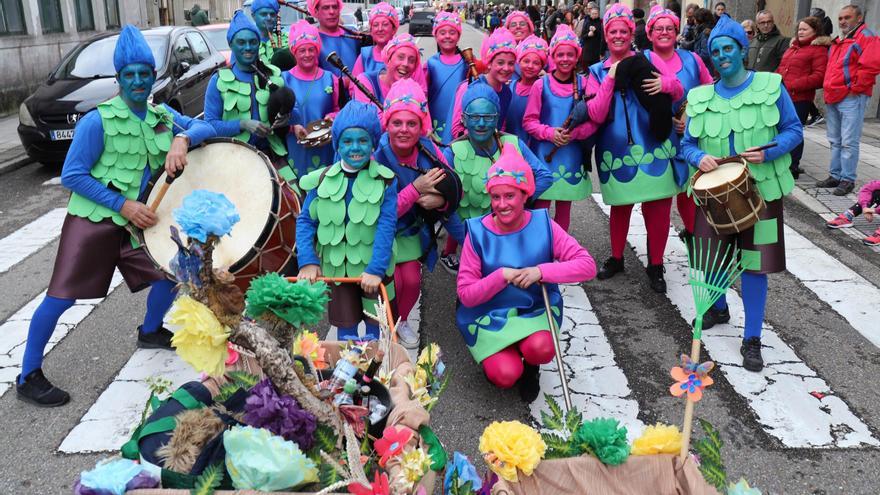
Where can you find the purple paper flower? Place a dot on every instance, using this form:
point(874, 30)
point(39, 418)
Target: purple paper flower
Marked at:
point(280, 414)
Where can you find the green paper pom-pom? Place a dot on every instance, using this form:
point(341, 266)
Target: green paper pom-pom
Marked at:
point(605, 439)
point(299, 304)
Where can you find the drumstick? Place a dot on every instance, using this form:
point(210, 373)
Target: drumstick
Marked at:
point(162, 190)
point(736, 158)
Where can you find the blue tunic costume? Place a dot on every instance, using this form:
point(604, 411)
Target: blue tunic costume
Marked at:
point(347, 49)
point(314, 101)
point(368, 60)
point(515, 113)
point(443, 81)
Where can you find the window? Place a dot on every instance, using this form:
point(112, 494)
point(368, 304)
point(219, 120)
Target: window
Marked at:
point(200, 48)
point(85, 21)
point(11, 17)
point(182, 53)
point(111, 8)
point(50, 16)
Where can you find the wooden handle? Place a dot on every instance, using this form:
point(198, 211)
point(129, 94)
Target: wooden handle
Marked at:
point(162, 190)
point(687, 427)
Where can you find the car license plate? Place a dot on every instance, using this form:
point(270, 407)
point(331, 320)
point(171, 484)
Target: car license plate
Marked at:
point(62, 135)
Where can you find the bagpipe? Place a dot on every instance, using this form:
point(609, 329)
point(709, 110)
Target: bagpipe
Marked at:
point(632, 72)
point(281, 99)
point(576, 117)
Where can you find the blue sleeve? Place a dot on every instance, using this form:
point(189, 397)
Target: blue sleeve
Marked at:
point(543, 177)
point(306, 228)
point(196, 129)
point(386, 227)
point(450, 156)
point(85, 150)
point(214, 111)
point(455, 227)
point(690, 148)
point(791, 131)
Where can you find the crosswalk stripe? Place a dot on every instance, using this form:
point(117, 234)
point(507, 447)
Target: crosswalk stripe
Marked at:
point(13, 332)
point(31, 238)
point(598, 386)
point(780, 394)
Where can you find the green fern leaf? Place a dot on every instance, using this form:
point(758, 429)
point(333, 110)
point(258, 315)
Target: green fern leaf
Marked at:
point(226, 391)
point(208, 481)
point(554, 407)
point(552, 422)
point(557, 446)
point(244, 379)
point(325, 438)
point(715, 476)
point(573, 421)
point(327, 474)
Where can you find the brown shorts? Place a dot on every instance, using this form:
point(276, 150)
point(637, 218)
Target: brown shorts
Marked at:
point(762, 247)
point(348, 302)
point(88, 254)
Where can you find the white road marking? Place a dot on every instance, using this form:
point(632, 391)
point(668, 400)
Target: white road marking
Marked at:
point(54, 181)
point(31, 238)
point(780, 394)
point(13, 332)
point(597, 385)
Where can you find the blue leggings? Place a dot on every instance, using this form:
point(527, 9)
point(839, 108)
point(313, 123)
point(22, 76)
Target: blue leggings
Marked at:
point(50, 310)
point(754, 296)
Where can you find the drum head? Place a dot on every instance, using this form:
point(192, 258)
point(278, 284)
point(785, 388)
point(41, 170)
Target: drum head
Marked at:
point(724, 174)
point(237, 171)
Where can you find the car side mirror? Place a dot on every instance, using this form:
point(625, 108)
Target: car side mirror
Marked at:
point(181, 68)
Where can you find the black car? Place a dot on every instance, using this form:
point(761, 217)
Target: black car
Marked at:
point(185, 61)
point(422, 23)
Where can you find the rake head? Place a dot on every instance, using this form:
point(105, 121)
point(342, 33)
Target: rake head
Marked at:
point(712, 269)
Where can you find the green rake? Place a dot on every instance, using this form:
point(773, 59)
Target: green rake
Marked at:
point(710, 273)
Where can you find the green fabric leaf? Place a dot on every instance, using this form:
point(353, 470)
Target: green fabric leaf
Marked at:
point(209, 481)
point(435, 448)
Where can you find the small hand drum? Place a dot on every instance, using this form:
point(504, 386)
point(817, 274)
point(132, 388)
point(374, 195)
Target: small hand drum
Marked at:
point(728, 196)
point(317, 134)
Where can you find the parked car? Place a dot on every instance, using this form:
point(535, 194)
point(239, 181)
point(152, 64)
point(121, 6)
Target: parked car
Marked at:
point(185, 61)
point(422, 23)
point(216, 34)
point(347, 19)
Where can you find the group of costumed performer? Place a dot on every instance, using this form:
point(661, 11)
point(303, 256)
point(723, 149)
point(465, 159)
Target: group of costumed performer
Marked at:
point(740, 113)
point(445, 70)
point(349, 221)
point(506, 256)
point(402, 61)
point(521, 27)
point(114, 152)
point(333, 37)
point(472, 154)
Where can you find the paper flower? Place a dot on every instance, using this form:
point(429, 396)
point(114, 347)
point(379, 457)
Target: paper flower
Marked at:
point(605, 438)
point(379, 486)
point(465, 471)
point(392, 443)
point(113, 477)
point(430, 354)
point(200, 339)
point(280, 414)
point(308, 345)
point(691, 378)
point(658, 439)
point(510, 445)
point(258, 460)
point(414, 463)
point(742, 488)
point(300, 303)
point(205, 213)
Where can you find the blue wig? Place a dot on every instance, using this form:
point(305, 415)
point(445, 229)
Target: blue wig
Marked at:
point(357, 114)
point(265, 4)
point(479, 90)
point(730, 28)
point(240, 21)
point(132, 48)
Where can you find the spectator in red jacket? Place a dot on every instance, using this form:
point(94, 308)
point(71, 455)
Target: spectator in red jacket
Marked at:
point(848, 86)
point(803, 71)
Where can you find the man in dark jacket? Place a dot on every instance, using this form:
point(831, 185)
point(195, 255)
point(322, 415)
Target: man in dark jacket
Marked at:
point(197, 16)
point(766, 50)
point(592, 39)
point(641, 36)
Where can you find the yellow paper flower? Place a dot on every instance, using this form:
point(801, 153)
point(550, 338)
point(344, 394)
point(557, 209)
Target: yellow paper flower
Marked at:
point(510, 445)
point(384, 377)
point(658, 439)
point(423, 397)
point(416, 380)
point(200, 339)
point(415, 463)
point(308, 345)
point(431, 354)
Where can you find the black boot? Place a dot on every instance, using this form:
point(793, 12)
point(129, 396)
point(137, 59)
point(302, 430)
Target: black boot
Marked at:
point(610, 268)
point(714, 316)
point(686, 237)
point(160, 339)
point(655, 278)
point(38, 391)
point(529, 383)
point(751, 352)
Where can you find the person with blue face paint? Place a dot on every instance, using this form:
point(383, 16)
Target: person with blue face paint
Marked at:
point(106, 178)
point(265, 14)
point(738, 114)
point(472, 154)
point(237, 98)
point(349, 221)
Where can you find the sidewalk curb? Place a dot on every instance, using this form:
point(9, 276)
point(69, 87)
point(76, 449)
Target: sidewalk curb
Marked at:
point(15, 163)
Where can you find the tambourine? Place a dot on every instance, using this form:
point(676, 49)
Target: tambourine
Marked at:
point(317, 133)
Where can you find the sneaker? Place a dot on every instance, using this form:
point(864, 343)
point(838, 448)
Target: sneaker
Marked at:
point(872, 240)
point(844, 187)
point(610, 268)
point(655, 278)
point(751, 352)
point(828, 182)
point(37, 390)
point(160, 339)
point(406, 336)
point(450, 263)
point(817, 121)
point(713, 317)
point(839, 222)
point(529, 383)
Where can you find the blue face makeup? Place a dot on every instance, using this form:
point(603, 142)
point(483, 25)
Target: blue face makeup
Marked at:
point(135, 83)
point(355, 147)
point(727, 57)
point(245, 47)
point(265, 19)
point(481, 119)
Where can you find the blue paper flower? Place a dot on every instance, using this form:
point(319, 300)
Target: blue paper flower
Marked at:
point(205, 213)
point(113, 477)
point(742, 488)
point(466, 471)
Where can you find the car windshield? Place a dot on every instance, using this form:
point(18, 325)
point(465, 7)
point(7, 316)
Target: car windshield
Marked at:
point(217, 37)
point(95, 60)
point(425, 15)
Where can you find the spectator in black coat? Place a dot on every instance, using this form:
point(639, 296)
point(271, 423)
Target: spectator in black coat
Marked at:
point(641, 36)
point(592, 39)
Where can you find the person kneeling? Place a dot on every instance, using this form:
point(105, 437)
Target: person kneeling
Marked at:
point(505, 256)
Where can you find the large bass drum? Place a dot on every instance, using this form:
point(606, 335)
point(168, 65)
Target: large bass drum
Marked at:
point(264, 240)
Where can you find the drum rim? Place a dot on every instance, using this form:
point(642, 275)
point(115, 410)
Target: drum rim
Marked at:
point(738, 178)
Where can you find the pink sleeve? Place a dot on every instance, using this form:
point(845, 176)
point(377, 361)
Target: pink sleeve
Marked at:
point(601, 103)
point(358, 66)
point(573, 263)
point(705, 75)
point(532, 117)
point(671, 86)
point(457, 126)
point(406, 198)
point(474, 289)
point(866, 191)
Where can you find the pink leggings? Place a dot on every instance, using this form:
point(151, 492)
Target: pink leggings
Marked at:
point(407, 284)
point(656, 215)
point(563, 211)
point(687, 210)
point(506, 366)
